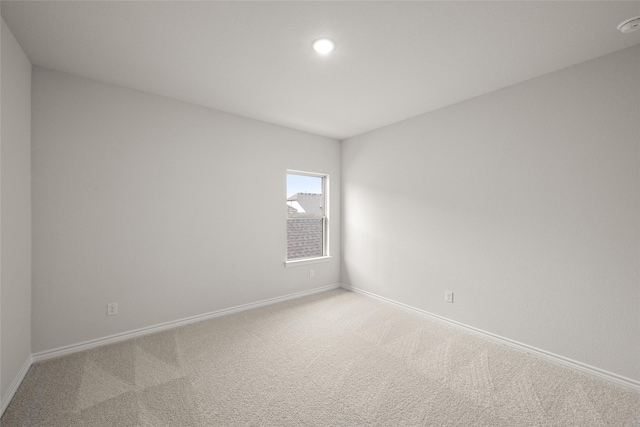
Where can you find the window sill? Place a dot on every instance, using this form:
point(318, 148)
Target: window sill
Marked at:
point(305, 261)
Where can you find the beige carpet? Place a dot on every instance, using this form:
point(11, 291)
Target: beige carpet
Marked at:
point(331, 359)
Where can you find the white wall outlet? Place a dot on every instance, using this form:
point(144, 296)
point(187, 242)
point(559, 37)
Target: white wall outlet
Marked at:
point(312, 273)
point(112, 308)
point(448, 296)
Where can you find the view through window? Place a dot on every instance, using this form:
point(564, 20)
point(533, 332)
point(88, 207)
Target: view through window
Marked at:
point(306, 215)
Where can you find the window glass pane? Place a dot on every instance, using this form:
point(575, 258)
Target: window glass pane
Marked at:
point(304, 238)
point(306, 215)
point(304, 195)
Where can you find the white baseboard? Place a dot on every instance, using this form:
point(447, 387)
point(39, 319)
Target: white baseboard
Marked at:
point(6, 399)
point(86, 345)
point(543, 354)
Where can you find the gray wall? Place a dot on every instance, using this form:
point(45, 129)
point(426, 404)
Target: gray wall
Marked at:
point(15, 211)
point(523, 202)
point(169, 209)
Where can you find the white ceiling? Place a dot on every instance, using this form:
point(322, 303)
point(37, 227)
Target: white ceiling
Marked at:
point(393, 60)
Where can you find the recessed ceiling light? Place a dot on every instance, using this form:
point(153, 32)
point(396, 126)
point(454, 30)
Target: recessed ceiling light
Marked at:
point(630, 25)
point(324, 45)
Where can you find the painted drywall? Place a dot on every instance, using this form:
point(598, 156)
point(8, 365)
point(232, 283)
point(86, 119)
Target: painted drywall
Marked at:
point(15, 211)
point(523, 202)
point(169, 209)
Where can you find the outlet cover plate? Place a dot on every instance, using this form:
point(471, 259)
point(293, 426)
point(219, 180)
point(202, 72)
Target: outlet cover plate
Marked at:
point(448, 296)
point(112, 308)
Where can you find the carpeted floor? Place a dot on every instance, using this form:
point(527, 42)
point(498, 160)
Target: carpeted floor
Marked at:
point(331, 359)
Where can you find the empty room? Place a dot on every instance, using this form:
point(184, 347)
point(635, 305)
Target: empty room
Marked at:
point(320, 213)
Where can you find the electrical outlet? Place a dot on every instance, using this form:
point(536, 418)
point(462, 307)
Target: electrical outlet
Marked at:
point(312, 273)
point(448, 296)
point(112, 308)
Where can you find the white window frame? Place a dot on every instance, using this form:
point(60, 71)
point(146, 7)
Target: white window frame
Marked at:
point(326, 256)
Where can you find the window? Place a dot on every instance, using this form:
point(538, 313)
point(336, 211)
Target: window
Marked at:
point(307, 219)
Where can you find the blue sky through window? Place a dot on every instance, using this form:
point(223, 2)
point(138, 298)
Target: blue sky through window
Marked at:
point(303, 184)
